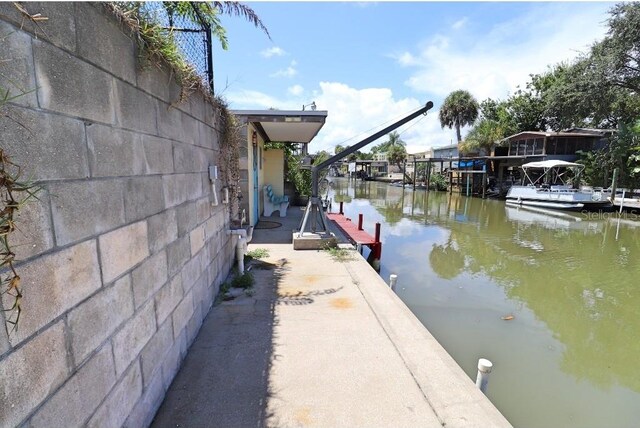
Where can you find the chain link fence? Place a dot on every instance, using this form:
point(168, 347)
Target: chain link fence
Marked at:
point(193, 38)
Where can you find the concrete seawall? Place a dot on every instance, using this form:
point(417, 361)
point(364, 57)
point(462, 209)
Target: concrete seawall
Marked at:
point(322, 342)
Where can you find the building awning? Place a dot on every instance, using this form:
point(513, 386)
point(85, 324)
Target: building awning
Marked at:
point(285, 126)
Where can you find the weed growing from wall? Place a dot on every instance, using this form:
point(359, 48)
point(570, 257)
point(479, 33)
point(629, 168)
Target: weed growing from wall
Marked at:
point(157, 46)
point(15, 192)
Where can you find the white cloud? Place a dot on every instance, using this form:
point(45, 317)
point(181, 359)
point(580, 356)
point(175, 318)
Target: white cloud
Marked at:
point(501, 60)
point(295, 90)
point(460, 23)
point(274, 51)
point(247, 99)
point(286, 72)
point(406, 59)
point(354, 114)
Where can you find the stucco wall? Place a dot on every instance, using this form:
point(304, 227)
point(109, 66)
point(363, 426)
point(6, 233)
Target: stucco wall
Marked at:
point(123, 254)
point(274, 170)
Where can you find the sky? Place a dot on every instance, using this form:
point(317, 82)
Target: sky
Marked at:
point(370, 63)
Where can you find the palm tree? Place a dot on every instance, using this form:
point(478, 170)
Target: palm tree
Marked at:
point(208, 13)
point(394, 140)
point(459, 109)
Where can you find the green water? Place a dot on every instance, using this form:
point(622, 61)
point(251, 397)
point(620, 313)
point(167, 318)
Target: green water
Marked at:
point(571, 355)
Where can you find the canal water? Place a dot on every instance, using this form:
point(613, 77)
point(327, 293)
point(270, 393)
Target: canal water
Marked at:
point(570, 355)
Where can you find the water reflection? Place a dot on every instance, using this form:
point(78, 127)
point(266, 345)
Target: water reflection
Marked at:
point(569, 279)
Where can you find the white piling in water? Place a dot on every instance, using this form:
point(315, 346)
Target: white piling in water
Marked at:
point(484, 369)
point(393, 279)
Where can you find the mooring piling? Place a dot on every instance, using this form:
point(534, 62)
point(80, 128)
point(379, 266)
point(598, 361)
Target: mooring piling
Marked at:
point(393, 280)
point(484, 369)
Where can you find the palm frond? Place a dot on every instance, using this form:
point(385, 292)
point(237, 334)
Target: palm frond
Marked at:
point(235, 8)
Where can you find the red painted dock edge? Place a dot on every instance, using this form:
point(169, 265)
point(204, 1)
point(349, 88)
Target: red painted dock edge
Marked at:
point(358, 236)
point(351, 230)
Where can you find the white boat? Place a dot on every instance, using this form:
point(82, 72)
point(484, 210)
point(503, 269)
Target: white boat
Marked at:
point(547, 187)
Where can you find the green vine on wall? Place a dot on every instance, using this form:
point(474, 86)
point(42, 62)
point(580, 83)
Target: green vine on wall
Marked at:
point(231, 137)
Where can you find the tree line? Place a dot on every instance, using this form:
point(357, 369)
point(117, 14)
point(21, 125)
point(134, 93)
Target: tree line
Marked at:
point(597, 89)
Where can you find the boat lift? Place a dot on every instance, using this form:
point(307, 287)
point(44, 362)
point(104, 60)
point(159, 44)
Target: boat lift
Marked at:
point(314, 216)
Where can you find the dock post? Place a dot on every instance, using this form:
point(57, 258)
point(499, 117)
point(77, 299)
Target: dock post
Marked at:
point(360, 220)
point(468, 184)
point(376, 249)
point(614, 184)
point(393, 279)
point(341, 211)
point(484, 369)
point(484, 181)
point(414, 174)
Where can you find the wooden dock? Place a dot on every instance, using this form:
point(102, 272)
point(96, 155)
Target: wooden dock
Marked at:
point(351, 231)
point(358, 236)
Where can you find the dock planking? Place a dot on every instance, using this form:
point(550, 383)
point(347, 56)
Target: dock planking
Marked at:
point(351, 230)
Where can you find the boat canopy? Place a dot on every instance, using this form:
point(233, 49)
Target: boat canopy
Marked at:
point(553, 172)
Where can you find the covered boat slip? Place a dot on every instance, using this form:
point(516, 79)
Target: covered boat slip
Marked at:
point(549, 185)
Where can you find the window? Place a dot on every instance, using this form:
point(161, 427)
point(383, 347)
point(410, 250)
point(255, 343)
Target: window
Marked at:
point(529, 146)
point(513, 148)
point(538, 146)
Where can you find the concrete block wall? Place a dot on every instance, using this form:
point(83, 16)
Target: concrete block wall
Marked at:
point(123, 253)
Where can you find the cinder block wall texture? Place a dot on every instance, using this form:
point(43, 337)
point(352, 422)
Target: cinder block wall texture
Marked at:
point(122, 256)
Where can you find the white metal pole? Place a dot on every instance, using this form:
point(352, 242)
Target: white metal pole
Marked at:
point(621, 201)
point(484, 369)
point(393, 279)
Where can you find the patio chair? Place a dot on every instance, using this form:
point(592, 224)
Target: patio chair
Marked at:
point(274, 203)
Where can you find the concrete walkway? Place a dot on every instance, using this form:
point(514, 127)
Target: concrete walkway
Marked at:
point(322, 343)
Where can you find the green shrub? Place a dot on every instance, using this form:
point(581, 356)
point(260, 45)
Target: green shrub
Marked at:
point(243, 281)
point(340, 254)
point(258, 253)
point(438, 182)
